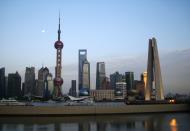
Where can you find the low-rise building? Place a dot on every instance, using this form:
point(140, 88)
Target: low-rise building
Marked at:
point(72, 90)
point(102, 95)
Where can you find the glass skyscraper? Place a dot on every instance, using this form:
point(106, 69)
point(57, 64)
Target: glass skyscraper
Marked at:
point(2, 83)
point(72, 90)
point(82, 58)
point(129, 77)
point(49, 86)
point(29, 82)
point(40, 88)
point(114, 78)
point(84, 73)
point(100, 74)
point(14, 85)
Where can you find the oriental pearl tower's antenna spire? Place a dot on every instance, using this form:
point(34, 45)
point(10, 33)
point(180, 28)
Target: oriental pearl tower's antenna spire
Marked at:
point(59, 30)
point(58, 81)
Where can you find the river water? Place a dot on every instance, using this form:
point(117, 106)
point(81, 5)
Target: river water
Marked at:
point(130, 122)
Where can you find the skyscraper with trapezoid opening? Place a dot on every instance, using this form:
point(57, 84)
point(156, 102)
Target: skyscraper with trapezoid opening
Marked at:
point(82, 58)
point(84, 73)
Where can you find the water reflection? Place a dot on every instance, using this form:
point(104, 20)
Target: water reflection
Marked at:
point(146, 122)
point(84, 126)
point(101, 126)
point(173, 124)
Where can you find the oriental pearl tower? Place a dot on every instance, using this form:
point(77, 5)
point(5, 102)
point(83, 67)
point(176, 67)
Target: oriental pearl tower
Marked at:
point(58, 81)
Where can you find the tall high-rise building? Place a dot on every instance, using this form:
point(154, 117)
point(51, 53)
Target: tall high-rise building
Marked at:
point(22, 91)
point(154, 73)
point(58, 81)
point(72, 90)
point(140, 89)
point(106, 84)
point(82, 58)
point(129, 77)
point(29, 82)
point(2, 83)
point(14, 85)
point(6, 85)
point(100, 74)
point(114, 78)
point(40, 87)
point(86, 75)
point(144, 78)
point(49, 85)
point(42, 73)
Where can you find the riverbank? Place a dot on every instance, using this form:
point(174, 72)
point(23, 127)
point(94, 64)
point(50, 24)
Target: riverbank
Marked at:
point(89, 110)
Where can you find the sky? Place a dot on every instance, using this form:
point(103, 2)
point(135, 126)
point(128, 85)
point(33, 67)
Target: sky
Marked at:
point(108, 29)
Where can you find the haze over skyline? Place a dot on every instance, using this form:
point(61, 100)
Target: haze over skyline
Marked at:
point(110, 31)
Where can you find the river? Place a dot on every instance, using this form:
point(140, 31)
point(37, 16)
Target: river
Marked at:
point(128, 122)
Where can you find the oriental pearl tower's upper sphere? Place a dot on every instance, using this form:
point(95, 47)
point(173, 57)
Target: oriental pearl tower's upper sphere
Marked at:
point(58, 44)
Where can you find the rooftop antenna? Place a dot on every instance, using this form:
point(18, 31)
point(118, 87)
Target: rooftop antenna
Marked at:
point(59, 30)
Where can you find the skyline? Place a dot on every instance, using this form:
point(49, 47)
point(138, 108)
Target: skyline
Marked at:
point(114, 29)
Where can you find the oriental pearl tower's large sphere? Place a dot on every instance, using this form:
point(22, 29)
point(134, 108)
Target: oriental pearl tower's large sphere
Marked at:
point(58, 44)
